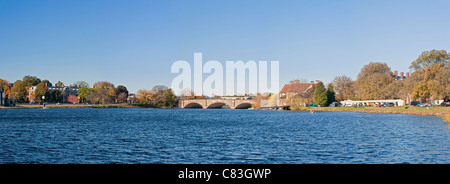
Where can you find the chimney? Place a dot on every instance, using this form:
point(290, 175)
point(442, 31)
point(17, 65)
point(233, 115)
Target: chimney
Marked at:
point(292, 82)
point(407, 74)
point(69, 85)
point(317, 81)
point(396, 73)
point(401, 74)
point(297, 81)
point(312, 82)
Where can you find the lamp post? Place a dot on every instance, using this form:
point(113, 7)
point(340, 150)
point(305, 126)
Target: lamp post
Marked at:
point(43, 101)
point(1, 94)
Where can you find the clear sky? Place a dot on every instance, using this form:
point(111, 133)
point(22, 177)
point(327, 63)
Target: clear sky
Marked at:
point(135, 42)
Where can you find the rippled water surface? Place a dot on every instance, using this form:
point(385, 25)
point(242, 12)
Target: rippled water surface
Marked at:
point(218, 136)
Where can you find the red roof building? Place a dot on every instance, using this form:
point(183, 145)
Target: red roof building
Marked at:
point(292, 89)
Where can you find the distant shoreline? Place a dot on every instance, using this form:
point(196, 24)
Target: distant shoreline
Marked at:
point(423, 111)
point(72, 106)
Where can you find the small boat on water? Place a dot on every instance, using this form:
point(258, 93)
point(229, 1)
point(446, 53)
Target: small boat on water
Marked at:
point(312, 111)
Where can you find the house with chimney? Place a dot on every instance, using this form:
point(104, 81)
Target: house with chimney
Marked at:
point(66, 91)
point(292, 89)
point(401, 76)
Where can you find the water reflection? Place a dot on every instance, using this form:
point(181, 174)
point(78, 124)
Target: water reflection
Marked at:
point(218, 136)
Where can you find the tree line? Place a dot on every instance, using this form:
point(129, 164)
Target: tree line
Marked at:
point(101, 92)
point(159, 96)
point(429, 80)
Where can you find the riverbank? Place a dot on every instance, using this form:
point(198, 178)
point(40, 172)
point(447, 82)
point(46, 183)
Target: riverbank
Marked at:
point(423, 111)
point(72, 106)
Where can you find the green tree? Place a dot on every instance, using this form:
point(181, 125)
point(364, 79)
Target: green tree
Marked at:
point(121, 89)
point(49, 84)
point(81, 84)
point(19, 91)
point(31, 81)
point(56, 96)
point(330, 94)
point(320, 94)
point(83, 92)
point(40, 91)
point(171, 99)
point(59, 84)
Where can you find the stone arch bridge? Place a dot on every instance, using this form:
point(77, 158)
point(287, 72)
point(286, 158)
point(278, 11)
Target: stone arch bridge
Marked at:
point(216, 103)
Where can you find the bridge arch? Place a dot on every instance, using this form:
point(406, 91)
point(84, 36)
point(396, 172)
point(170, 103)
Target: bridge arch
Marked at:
point(217, 105)
point(194, 105)
point(244, 106)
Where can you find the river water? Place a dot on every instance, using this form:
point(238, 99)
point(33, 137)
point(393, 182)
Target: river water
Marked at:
point(103, 136)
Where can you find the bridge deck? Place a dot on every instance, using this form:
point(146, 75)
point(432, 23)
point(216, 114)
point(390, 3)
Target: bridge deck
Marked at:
point(215, 103)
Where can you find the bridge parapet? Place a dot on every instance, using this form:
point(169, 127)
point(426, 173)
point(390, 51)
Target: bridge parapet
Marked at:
point(216, 103)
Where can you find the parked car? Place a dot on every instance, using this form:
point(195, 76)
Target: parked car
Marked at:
point(415, 103)
point(312, 105)
point(335, 104)
point(445, 104)
point(389, 104)
point(347, 105)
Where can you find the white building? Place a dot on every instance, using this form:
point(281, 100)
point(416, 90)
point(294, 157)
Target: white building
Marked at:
point(372, 102)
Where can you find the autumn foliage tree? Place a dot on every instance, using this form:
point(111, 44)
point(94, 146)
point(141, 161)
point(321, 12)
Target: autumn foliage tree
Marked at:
point(73, 99)
point(19, 91)
point(372, 80)
point(6, 87)
point(157, 97)
point(144, 96)
point(431, 76)
point(344, 87)
point(41, 90)
point(31, 81)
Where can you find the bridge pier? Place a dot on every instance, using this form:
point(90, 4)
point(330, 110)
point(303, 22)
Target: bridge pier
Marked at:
point(215, 103)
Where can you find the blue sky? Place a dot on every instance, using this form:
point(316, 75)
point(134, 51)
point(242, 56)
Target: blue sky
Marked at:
point(134, 43)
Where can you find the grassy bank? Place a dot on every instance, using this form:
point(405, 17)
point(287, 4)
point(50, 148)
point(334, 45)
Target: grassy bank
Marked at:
point(74, 106)
point(25, 106)
point(432, 111)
